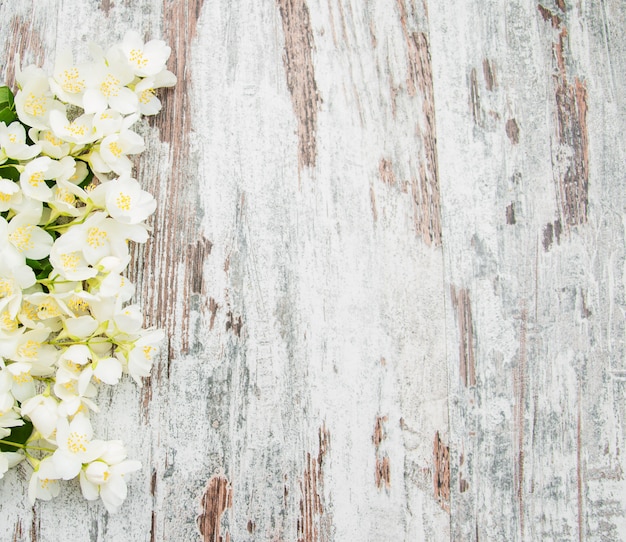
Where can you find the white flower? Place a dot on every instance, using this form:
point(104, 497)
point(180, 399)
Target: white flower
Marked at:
point(13, 142)
point(73, 384)
point(42, 411)
point(14, 278)
point(75, 446)
point(33, 178)
point(106, 86)
point(68, 81)
point(44, 482)
point(23, 385)
point(108, 370)
point(10, 194)
point(7, 399)
point(109, 122)
point(112, 153)
point(149, 104)
point(51, 145)
point(118, 287)
point(28, 239)
point(125, 201)
point(34, 101)
point(32, 348)
point(10, 418)
point(67, 259)
point(79, 131)
point(76, 301)
point(104, 477)
point(140, 358)
point(145, 59)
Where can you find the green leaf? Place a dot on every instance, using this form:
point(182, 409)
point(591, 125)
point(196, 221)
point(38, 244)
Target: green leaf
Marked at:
point(6, 96)
point(42, 268)
point(19, 435)
point(7, 106)
point(7, 115)
point(8, 172)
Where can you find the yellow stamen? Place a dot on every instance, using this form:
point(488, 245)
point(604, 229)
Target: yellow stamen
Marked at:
point(96, 238)
point(22, 238)
point(123, 202)
point(76, 442)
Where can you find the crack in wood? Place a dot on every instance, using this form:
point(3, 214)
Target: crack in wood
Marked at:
point(519, 392)
point(300, 73)
point(314, 523)
point(196, 256)
point(35, 527)
point(213, 308)
point(475, 99)
point(17, 531)
point(467, 362)
point(579, 468)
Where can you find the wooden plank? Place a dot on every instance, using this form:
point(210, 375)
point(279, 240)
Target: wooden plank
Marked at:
point(528, 128)
point(388, 254)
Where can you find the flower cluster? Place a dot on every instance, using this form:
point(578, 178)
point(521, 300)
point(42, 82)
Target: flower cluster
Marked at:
point(68, 208)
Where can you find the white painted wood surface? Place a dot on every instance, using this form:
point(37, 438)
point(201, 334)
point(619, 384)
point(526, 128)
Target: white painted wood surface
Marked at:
point(389, 255)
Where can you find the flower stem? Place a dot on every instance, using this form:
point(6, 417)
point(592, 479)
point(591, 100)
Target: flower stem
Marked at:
point(9, 443)
point(25, 446)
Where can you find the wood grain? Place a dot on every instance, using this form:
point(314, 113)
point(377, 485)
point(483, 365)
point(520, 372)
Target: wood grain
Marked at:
point(388, 254)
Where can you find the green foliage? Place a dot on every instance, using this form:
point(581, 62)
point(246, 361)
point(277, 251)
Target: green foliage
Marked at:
point(7, 171)
point(7, 106)
point(19, 435)
point(41, 268)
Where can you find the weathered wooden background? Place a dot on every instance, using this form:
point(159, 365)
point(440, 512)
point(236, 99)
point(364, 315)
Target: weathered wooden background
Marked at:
point(389, 254)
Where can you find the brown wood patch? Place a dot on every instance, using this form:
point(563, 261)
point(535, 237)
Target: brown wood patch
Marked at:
point(300, 74)
point(24, 40)
point(217, 497)
point(475, 98)
point(106, 5)
point(548, 16)
point(512, 131)
point(572, 162)
point(17, 531)
point(234, 323)
point(552, 231)
point(176, 216)
point(425, 190)
point(467, 363)
point(489, 73)
point(385, 169)
point(313, 525)
point(510, 213)
point(441, 479)
point(382, 470)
